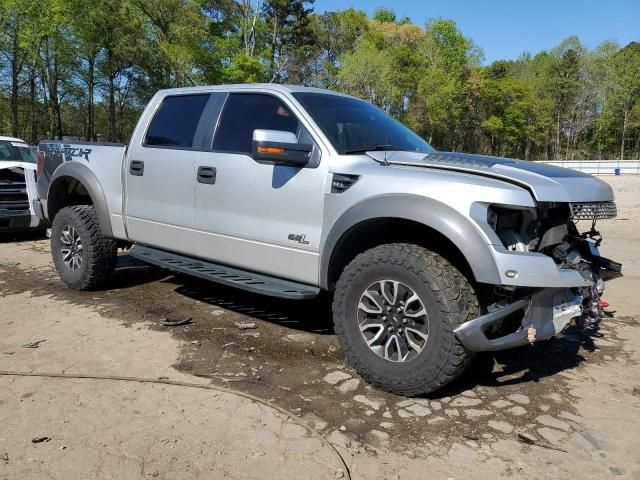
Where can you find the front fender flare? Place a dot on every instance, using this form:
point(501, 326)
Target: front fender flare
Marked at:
point(431, 213)
point(88, 179)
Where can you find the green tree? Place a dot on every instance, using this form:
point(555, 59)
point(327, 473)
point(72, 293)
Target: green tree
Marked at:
point(384, 15)
point(624, 87)
point(289, 23)
point(336, 34)
point(17, 46)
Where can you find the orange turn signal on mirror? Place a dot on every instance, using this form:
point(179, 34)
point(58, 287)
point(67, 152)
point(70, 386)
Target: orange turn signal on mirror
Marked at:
point(270, 150)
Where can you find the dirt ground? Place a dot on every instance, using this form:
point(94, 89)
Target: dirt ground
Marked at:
point(576, 398)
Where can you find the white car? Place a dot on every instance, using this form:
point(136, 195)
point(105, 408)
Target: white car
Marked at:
point(17, 186)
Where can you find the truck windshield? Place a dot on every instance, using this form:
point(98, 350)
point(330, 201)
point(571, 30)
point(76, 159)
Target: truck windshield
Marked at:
point(355, 126)
point(16, 152)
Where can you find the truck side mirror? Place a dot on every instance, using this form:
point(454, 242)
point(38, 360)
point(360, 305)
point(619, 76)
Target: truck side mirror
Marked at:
point(280, 147)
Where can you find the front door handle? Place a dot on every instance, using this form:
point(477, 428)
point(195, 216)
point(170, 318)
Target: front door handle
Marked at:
point(136, 167)
point(207, 175)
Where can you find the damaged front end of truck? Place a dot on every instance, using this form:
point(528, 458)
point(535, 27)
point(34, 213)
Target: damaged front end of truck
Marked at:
point(566, 233)
point(546, 269)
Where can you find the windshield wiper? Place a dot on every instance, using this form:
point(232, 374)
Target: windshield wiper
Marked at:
point(377, 148)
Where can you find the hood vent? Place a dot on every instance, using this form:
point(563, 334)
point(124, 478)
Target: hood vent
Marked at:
point(460, 160)
point(341, 182)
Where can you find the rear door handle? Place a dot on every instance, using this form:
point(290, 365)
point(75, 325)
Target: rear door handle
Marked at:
point(136, 167)
point(207, 175)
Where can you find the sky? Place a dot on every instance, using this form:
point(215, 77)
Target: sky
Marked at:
point(505, 29)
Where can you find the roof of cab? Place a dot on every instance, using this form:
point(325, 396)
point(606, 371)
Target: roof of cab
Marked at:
point(238, 87)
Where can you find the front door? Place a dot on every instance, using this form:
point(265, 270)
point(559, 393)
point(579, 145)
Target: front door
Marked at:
point(259, 216)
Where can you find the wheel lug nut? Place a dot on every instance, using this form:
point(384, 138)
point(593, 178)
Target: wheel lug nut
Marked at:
point(384, 318)
point(390, 329)
point(405, 321)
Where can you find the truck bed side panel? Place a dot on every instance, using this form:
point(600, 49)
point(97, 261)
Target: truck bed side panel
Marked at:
point(104, 160)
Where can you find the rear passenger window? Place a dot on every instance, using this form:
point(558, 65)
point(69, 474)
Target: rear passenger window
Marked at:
point(175, 122)
point(245, 112)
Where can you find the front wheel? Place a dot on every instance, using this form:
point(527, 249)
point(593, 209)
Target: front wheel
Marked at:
point(84, 258)
point(395, 309)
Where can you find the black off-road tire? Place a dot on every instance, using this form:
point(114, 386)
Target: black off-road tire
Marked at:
point(448, 298)
point(99, 253)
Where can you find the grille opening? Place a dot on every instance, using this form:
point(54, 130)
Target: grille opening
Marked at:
point(13, 193)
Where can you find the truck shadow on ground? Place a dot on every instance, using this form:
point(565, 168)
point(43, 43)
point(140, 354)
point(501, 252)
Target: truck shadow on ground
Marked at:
point(22, 236)
point(131, 272)
point(524, 365)
point(527, 364)
point(313, 316)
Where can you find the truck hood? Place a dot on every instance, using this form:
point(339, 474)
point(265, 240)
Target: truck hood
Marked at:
point(15, 164)
point(547, 183)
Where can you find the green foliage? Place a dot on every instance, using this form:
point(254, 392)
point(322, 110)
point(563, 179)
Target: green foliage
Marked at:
point(86, 68)
point(244, 69)
point(384, 15)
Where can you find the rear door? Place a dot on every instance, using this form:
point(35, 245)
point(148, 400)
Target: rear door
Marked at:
point(160, 173)
point(256, 215)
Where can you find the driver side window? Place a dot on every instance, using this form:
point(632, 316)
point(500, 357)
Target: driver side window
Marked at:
point(245, 112)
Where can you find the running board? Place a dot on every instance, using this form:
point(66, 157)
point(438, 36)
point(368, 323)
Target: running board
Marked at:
point(233, 277)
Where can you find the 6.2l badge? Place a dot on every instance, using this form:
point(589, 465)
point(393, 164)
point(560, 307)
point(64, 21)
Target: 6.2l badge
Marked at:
point(301, 238)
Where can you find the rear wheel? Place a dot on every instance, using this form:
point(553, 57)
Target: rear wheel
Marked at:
point(395, 309)
point(83, 257)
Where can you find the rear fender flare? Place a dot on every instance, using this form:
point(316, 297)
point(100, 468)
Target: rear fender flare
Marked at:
point(88, 179)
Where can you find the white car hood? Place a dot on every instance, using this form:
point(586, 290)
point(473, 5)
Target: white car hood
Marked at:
point(15, 164)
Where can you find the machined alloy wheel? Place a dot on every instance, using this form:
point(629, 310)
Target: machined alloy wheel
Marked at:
point(393, 320)
point(395, 309)
point(71, 250)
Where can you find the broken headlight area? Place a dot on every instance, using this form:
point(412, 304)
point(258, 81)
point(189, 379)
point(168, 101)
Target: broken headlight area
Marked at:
point(516, 227)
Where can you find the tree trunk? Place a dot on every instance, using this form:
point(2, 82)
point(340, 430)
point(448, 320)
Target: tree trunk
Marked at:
point(15, 127)
point(34, 113)
point(51, 72)
point(274, 37)
point(624, 132)
point(58, 119)
point(45, 102)
point(90, 133)
point(15, 122)
point(111, 131)
point(558, 138)
point(16, 67)
point(56, 100)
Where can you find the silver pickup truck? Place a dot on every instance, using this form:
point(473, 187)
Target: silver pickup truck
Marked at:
point(289, 191)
